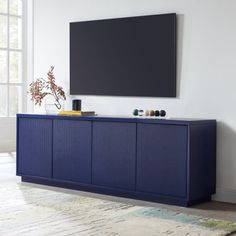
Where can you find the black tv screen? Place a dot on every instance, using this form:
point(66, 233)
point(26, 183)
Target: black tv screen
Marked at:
point(133, 56)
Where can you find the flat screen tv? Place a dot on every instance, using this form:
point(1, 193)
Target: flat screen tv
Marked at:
point(133, 56)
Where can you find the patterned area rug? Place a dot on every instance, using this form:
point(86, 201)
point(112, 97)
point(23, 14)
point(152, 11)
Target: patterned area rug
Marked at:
point(30, 210)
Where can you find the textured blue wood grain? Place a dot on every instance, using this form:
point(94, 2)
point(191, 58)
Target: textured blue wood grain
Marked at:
point(114, 154)
point(162, 159)
point(34, 156)
point(169, 161)
point(202, 161)
point(72, 150)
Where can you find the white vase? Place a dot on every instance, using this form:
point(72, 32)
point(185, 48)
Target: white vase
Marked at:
point(51, 107)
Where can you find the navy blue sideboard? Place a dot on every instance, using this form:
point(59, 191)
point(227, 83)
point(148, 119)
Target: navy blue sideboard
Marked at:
point(165, 160)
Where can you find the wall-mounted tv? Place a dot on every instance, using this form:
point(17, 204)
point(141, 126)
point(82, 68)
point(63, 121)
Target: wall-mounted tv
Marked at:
point(133, 56)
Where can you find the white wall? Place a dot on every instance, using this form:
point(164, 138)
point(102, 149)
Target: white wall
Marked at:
point(206, 64)
point(7, 134)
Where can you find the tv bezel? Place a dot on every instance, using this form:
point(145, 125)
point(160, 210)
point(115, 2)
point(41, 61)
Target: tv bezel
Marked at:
point(174, 82)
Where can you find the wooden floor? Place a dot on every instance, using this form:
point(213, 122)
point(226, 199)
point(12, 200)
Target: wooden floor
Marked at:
point(213, 209)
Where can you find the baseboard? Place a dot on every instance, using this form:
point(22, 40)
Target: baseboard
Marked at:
point(225, 195)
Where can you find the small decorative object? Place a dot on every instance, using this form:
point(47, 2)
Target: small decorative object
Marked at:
point(147, 113)
point(162, 112)
point(140, 112)
point(135, 112)
point(76, 105)
point(42, 88)
point(152, 112)
point(157, 113)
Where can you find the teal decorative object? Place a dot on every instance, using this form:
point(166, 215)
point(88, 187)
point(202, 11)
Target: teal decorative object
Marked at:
point(135, 112)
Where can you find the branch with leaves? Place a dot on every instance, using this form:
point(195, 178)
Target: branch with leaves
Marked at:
point(40, 88)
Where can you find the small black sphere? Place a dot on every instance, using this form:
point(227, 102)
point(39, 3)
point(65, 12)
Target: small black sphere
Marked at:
point(162, 112)
point(157, 113)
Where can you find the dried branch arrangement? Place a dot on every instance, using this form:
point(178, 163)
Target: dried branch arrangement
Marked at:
point(41, 88)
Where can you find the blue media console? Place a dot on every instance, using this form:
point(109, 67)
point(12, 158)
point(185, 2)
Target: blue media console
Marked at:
point(162, 160)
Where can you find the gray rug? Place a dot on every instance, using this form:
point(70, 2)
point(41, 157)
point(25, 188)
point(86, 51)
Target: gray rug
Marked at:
point(31, 210)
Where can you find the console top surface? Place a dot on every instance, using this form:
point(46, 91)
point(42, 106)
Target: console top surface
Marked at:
point(130, 119)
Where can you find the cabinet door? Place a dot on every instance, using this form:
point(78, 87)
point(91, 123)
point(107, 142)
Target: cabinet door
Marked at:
point(114, 154)
point(72, 150)
point(162, 159)
point(34, 156)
